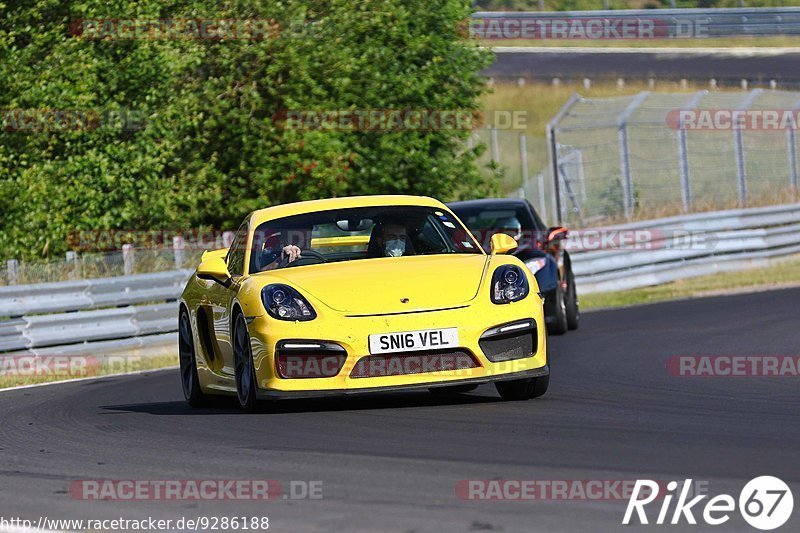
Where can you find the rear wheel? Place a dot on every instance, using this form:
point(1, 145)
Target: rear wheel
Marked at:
point(556, 309)
point(523, 389)
point(243, 366)
point(188, 362)
point(571, 302)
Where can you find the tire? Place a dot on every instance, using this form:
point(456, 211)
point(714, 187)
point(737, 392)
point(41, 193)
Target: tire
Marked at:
point(188, 362)
point(523, 389)
point(244, 369)
point(571, 301)
point(558, 310)
point(452, 390)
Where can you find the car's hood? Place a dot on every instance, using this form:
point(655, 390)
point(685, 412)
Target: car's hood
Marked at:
point(380, 286)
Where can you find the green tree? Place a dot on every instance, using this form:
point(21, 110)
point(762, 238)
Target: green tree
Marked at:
point(187, 134)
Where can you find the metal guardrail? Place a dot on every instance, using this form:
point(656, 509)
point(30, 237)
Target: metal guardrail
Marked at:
point(689, 245)
point(677, 23)
point(19, 300)
point(91, 316)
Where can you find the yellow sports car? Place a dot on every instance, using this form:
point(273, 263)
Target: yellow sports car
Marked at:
point(360, 294)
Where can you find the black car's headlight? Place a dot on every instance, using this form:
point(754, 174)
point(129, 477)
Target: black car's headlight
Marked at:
point(509, 284)
point(285, 303)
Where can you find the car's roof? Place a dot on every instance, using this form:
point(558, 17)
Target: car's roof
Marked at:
point(488, 203)
point(310, 206)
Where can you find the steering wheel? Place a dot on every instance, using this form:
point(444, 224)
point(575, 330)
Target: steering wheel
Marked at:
point(303, 255)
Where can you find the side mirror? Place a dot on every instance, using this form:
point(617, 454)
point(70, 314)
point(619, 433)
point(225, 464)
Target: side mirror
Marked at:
point(214, 269)
point(502, 243)
point(556, 234)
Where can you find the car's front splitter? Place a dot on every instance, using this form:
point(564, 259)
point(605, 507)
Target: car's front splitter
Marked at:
point(267, 394)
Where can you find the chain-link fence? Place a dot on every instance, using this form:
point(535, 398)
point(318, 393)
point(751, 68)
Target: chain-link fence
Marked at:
point(651, 155)
point(127, 261)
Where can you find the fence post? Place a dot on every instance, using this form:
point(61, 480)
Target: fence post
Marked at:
point(72, 264)
point(177, 250)
point(552, 154)
point(624, 153)
point(542, 202)
point(790, 144)
point(738, 141)
point(13, 271)
point(128, 258)
point(495, 145)
point(227, 239)
point(523, 156)
point(792, 149)
point(683, 152)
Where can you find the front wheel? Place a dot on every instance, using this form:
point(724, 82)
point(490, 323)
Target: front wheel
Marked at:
point(571, 302)
point(556, 310)
point(523, 389)
point(188, 362)
point(243, 366)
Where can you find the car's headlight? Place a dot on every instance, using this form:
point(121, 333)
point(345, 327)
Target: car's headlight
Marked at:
point(285, 303)
point(509, 284)
point(536, 264)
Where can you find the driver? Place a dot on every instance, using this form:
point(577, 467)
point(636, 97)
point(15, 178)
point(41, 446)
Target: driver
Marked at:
point(273, 251)
point(390, 239)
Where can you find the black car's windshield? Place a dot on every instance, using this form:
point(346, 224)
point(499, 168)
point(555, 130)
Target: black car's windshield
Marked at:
point(358, 233)
point(484, 222)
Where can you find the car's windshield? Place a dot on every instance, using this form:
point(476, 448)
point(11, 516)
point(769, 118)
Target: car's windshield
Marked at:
point(357, 233)
point(484, 222)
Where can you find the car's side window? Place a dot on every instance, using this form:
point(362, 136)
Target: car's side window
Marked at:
point(237, 252)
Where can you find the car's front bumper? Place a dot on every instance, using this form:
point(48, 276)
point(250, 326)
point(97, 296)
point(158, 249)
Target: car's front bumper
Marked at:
point(352, 333)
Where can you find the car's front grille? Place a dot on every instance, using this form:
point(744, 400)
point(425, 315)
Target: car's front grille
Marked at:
point(397, 364)
point(512, 341)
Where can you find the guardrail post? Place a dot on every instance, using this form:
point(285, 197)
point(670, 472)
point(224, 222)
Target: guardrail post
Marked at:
point(128, 258)
point(683, 153)
point(629, 200)
point(738, 140)
point(13, 271)
point(178, 251)
point(72, 264)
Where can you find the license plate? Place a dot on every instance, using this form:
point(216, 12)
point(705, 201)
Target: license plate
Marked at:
point(406, 341)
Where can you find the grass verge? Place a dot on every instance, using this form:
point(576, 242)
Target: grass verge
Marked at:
point(32, 370)
point(783, 273)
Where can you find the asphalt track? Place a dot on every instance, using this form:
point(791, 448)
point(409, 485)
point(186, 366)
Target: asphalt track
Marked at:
point(392, 462)
point(728, 67)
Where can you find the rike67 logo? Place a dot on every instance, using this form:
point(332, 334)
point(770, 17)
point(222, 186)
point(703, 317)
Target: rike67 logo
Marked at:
point(765, 503)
